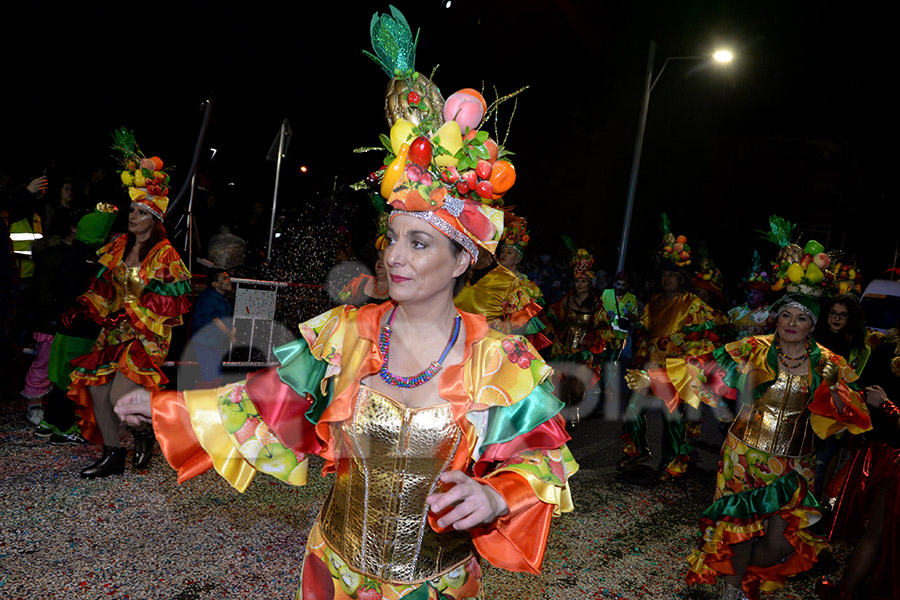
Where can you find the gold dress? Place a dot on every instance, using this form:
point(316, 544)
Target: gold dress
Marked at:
point(375, 517)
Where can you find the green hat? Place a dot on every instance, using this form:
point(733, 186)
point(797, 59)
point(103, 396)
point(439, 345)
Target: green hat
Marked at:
point(93, 228)
point(805, 302)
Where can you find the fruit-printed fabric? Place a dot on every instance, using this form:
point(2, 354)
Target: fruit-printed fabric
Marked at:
point(327, 577)
point(754, 484)
point(498, 403)
point(151, 301)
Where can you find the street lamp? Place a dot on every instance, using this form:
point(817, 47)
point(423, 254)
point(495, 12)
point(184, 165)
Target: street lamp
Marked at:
point(720, 56)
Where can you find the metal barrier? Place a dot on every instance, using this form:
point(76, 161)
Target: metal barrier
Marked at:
point(266, 315)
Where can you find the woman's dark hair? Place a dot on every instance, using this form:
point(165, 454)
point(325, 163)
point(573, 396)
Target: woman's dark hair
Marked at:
point(157, 234)
point(854, 333)
point(460, 282)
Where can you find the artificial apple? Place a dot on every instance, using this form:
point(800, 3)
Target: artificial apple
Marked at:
point(678, 248)
point(822, 260)
point(466, 107)
point(813, 247)
point(420, 151)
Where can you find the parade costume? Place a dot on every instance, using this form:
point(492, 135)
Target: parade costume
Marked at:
point(493, 416)
point(752, 317)
point(137, 307)
point(621, 312)
point(872, 469)
point(499, 422)
point(510, 301)
point(767, 461)
point(671, 328)
point(581, 335)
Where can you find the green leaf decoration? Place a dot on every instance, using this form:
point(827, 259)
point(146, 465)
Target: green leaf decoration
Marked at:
point(393, 43)
point(781, 231)
point(665, 226)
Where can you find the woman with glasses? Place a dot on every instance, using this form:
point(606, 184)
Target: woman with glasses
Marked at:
point(841, 331)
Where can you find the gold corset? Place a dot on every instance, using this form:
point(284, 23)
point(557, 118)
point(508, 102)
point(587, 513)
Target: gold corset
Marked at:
point(778, 421)
point(128, 283)
point(375, 517)
point(578, 325)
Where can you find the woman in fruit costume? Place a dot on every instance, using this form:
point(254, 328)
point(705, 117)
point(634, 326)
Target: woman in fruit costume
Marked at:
point(140, 294)
point(676, 323)
point(443, 436)
point(756, 533)
point(506, 297)
point(867, 488)
point(483, 436)
point(581, 333)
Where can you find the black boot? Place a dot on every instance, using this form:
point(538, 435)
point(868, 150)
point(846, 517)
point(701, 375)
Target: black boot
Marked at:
point(143, 447)
point(111, 463)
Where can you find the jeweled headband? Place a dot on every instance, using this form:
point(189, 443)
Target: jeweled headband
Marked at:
point(806, 304)
point(444, 227)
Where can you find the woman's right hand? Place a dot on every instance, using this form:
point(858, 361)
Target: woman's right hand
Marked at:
point(134, 407)
point(875, 396)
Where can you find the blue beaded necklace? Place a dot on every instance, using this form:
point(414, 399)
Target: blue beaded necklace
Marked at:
point(384, 344)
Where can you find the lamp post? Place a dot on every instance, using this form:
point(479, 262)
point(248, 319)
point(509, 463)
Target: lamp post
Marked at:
point(721, 56)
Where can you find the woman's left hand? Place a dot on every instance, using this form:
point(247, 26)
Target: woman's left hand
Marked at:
point(474, 504)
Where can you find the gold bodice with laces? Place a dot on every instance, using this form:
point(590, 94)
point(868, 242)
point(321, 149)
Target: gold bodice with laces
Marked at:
point(578, 325)
point(128, 283)
point(778, 421)
point(375, 517)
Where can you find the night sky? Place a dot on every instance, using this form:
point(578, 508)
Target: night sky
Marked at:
point(723, 148)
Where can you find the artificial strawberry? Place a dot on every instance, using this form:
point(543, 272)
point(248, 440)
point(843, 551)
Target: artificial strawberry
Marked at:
point(483, 170)
point(485, 189)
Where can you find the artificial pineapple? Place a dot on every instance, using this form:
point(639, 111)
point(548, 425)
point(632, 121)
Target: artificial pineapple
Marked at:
point(780, 233)
point(409, 95)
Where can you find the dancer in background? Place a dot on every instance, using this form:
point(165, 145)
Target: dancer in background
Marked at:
point(139, 295)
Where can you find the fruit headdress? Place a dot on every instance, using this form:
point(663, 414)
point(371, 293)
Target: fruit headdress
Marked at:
point(581, 261)
point(707, 276)
point(673, 249)
point(756, 278)
point(439, 167)
point(844, 278)
point(147, 184)
point(796, 269)
point(515, 234)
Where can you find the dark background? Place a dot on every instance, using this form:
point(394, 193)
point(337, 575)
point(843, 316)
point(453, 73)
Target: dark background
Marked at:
point(801, 125)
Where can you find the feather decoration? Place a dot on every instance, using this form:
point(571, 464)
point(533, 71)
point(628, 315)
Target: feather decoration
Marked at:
point(124, 143)
point(393, 43)
point(569, 244)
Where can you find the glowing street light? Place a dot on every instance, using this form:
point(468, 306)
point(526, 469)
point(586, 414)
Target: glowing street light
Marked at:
point(721, 57)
